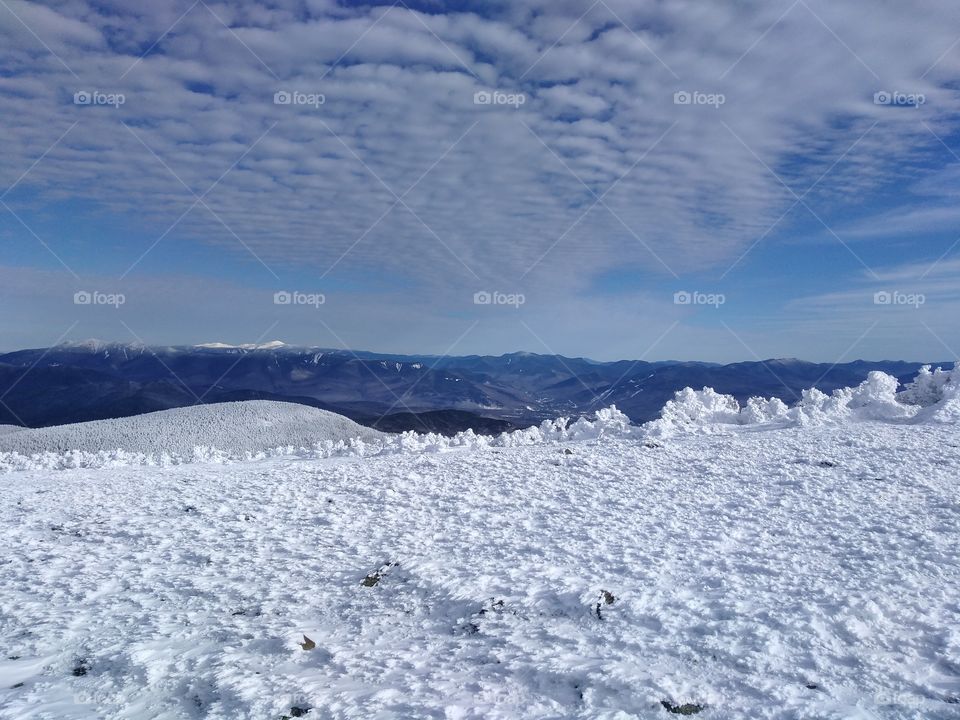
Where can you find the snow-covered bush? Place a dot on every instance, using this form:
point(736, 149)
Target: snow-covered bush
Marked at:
point(874, 399)
point(701, 407)
point(761, 410)
point(703, 410)
point(928, 387)
point(939, 394)
point(608, 422)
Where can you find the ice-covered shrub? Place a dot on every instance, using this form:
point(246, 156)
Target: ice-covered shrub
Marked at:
point(938, 393)
point(701, 407)
point(707, 410)
point(928, 387)
point(608, 422)
point(702, 410)
point(874, 399)
point(761, 410)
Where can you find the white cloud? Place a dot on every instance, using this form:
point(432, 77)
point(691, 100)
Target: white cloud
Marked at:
point(497, 189)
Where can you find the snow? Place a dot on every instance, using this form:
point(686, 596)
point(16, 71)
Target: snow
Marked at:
point(930, 397)
point(5, 429)
point(928, 387)
point(237, 429)
point(758, 562)
point(94, 345)
point(272, 345)
point(255, 430)
point(227, 433)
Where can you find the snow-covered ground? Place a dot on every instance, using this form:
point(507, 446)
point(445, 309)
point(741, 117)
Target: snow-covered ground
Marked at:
point(736, 563)
point(233, 428)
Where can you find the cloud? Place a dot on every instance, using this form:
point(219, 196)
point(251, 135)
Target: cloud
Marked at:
point(399, 175)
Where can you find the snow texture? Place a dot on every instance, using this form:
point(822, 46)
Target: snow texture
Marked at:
point(757, 562)
point(807, 572)
point(6, 429)
point(931, 397)
point(239, 430)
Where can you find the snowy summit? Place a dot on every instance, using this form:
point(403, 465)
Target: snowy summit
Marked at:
point(723, 561)
point(272, 345)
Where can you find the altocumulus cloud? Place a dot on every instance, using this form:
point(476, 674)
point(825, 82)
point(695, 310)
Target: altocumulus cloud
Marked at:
point(394, 169)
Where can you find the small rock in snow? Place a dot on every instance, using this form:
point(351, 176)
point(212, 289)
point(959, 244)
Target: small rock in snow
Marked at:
point(685, 709)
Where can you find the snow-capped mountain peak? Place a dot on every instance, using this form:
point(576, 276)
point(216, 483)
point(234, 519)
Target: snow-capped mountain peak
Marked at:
point(272, 345)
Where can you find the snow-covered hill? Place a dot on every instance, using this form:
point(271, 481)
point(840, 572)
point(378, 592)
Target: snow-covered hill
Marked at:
point(728, 562)
point(234, 428)
point(5, 429)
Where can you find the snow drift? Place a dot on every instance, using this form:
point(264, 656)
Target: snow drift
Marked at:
point(235, 429)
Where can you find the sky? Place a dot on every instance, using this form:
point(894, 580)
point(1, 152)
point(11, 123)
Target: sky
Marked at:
point(637, 179)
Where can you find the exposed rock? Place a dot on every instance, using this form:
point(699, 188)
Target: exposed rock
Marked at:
point(685, 709)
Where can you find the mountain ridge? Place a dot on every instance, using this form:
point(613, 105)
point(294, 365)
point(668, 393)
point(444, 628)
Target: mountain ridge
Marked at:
point(93, 380)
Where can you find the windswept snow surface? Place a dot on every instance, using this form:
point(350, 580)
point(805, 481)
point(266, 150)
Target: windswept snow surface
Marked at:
point(236, 430)
point(799, 564)
point(6, 429)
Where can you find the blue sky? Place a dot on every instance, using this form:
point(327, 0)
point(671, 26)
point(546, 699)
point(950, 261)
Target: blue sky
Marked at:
point(727, 182)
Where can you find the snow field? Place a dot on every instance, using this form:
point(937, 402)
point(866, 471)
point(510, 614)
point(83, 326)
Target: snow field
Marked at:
point(732, 562)
point(806, 572)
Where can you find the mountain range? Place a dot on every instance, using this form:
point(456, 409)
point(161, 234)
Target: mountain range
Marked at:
point(92, 380)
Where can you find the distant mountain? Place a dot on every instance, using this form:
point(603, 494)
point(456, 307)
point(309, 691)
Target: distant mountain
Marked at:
point(75, 382)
